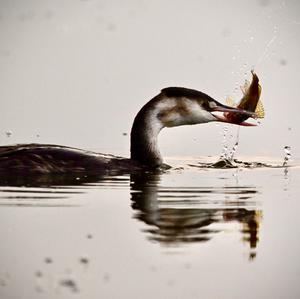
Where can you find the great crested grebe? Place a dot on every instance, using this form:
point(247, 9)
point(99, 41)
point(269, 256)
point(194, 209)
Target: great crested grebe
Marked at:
point(174, 106)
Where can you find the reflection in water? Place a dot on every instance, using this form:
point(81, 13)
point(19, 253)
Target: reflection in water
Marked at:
point(53, 190)
point(47, 180)
point(184, 215)
point(174, 215)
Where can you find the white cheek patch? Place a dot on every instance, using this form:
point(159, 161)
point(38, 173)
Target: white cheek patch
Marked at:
point(197, 114)
point(201, 116)
point(172, 113)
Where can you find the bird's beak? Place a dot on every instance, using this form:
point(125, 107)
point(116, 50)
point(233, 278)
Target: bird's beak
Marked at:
point(223, 108)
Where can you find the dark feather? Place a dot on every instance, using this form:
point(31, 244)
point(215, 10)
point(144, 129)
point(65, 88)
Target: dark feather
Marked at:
point(186, 92)
point(45, 159)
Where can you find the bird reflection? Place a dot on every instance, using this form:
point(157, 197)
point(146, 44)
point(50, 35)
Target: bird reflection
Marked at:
point(189, 216)
point(173, 215)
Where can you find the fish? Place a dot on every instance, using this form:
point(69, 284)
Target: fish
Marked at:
point(250, 102)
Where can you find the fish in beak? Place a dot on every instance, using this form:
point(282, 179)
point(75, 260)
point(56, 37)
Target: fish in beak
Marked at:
point(249, 102)
point(224, 110)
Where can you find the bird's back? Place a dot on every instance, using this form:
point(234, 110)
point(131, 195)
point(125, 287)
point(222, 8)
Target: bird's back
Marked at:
point(27, 159)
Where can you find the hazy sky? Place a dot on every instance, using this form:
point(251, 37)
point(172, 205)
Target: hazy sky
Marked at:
point(76, 72)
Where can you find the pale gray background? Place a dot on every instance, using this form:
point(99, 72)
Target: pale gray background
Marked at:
point(76, 72)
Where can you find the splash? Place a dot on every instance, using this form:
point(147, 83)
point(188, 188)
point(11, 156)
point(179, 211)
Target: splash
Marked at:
point(235, 147)
point(228, 154)
point(287, 155)
point(224, 153)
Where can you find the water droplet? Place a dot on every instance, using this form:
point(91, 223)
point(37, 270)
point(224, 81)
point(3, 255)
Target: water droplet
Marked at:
point(106, 277)
point(84, 260)
point(3, 282)
point(48, 260)
point(69, 283)
point(233, 151)
point(224, 143)
point(287, 155)
point(224, 151)
point(8, 133)
point(282, 62)
point(38, 273)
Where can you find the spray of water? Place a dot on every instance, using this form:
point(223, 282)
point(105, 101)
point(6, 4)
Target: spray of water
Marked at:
point(266, 51)
point(227, 153)
point(224, 143)
point(287, 155)
point(235, 147)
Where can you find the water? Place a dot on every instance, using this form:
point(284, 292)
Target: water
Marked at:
point(227, 156)
point(287, 155)
point(224, 154)
point(190, 232)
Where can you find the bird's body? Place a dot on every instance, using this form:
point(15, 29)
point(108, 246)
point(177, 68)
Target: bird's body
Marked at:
point(48, 159)
point(174, 106)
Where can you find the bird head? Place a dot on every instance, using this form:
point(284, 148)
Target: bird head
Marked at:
point(183, 106)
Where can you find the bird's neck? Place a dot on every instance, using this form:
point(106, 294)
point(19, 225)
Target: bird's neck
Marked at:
point(144, 137)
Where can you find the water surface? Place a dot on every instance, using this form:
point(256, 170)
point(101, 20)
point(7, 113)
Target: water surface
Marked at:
point(190, 232)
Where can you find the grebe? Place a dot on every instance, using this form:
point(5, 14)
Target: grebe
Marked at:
point(173, 106)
